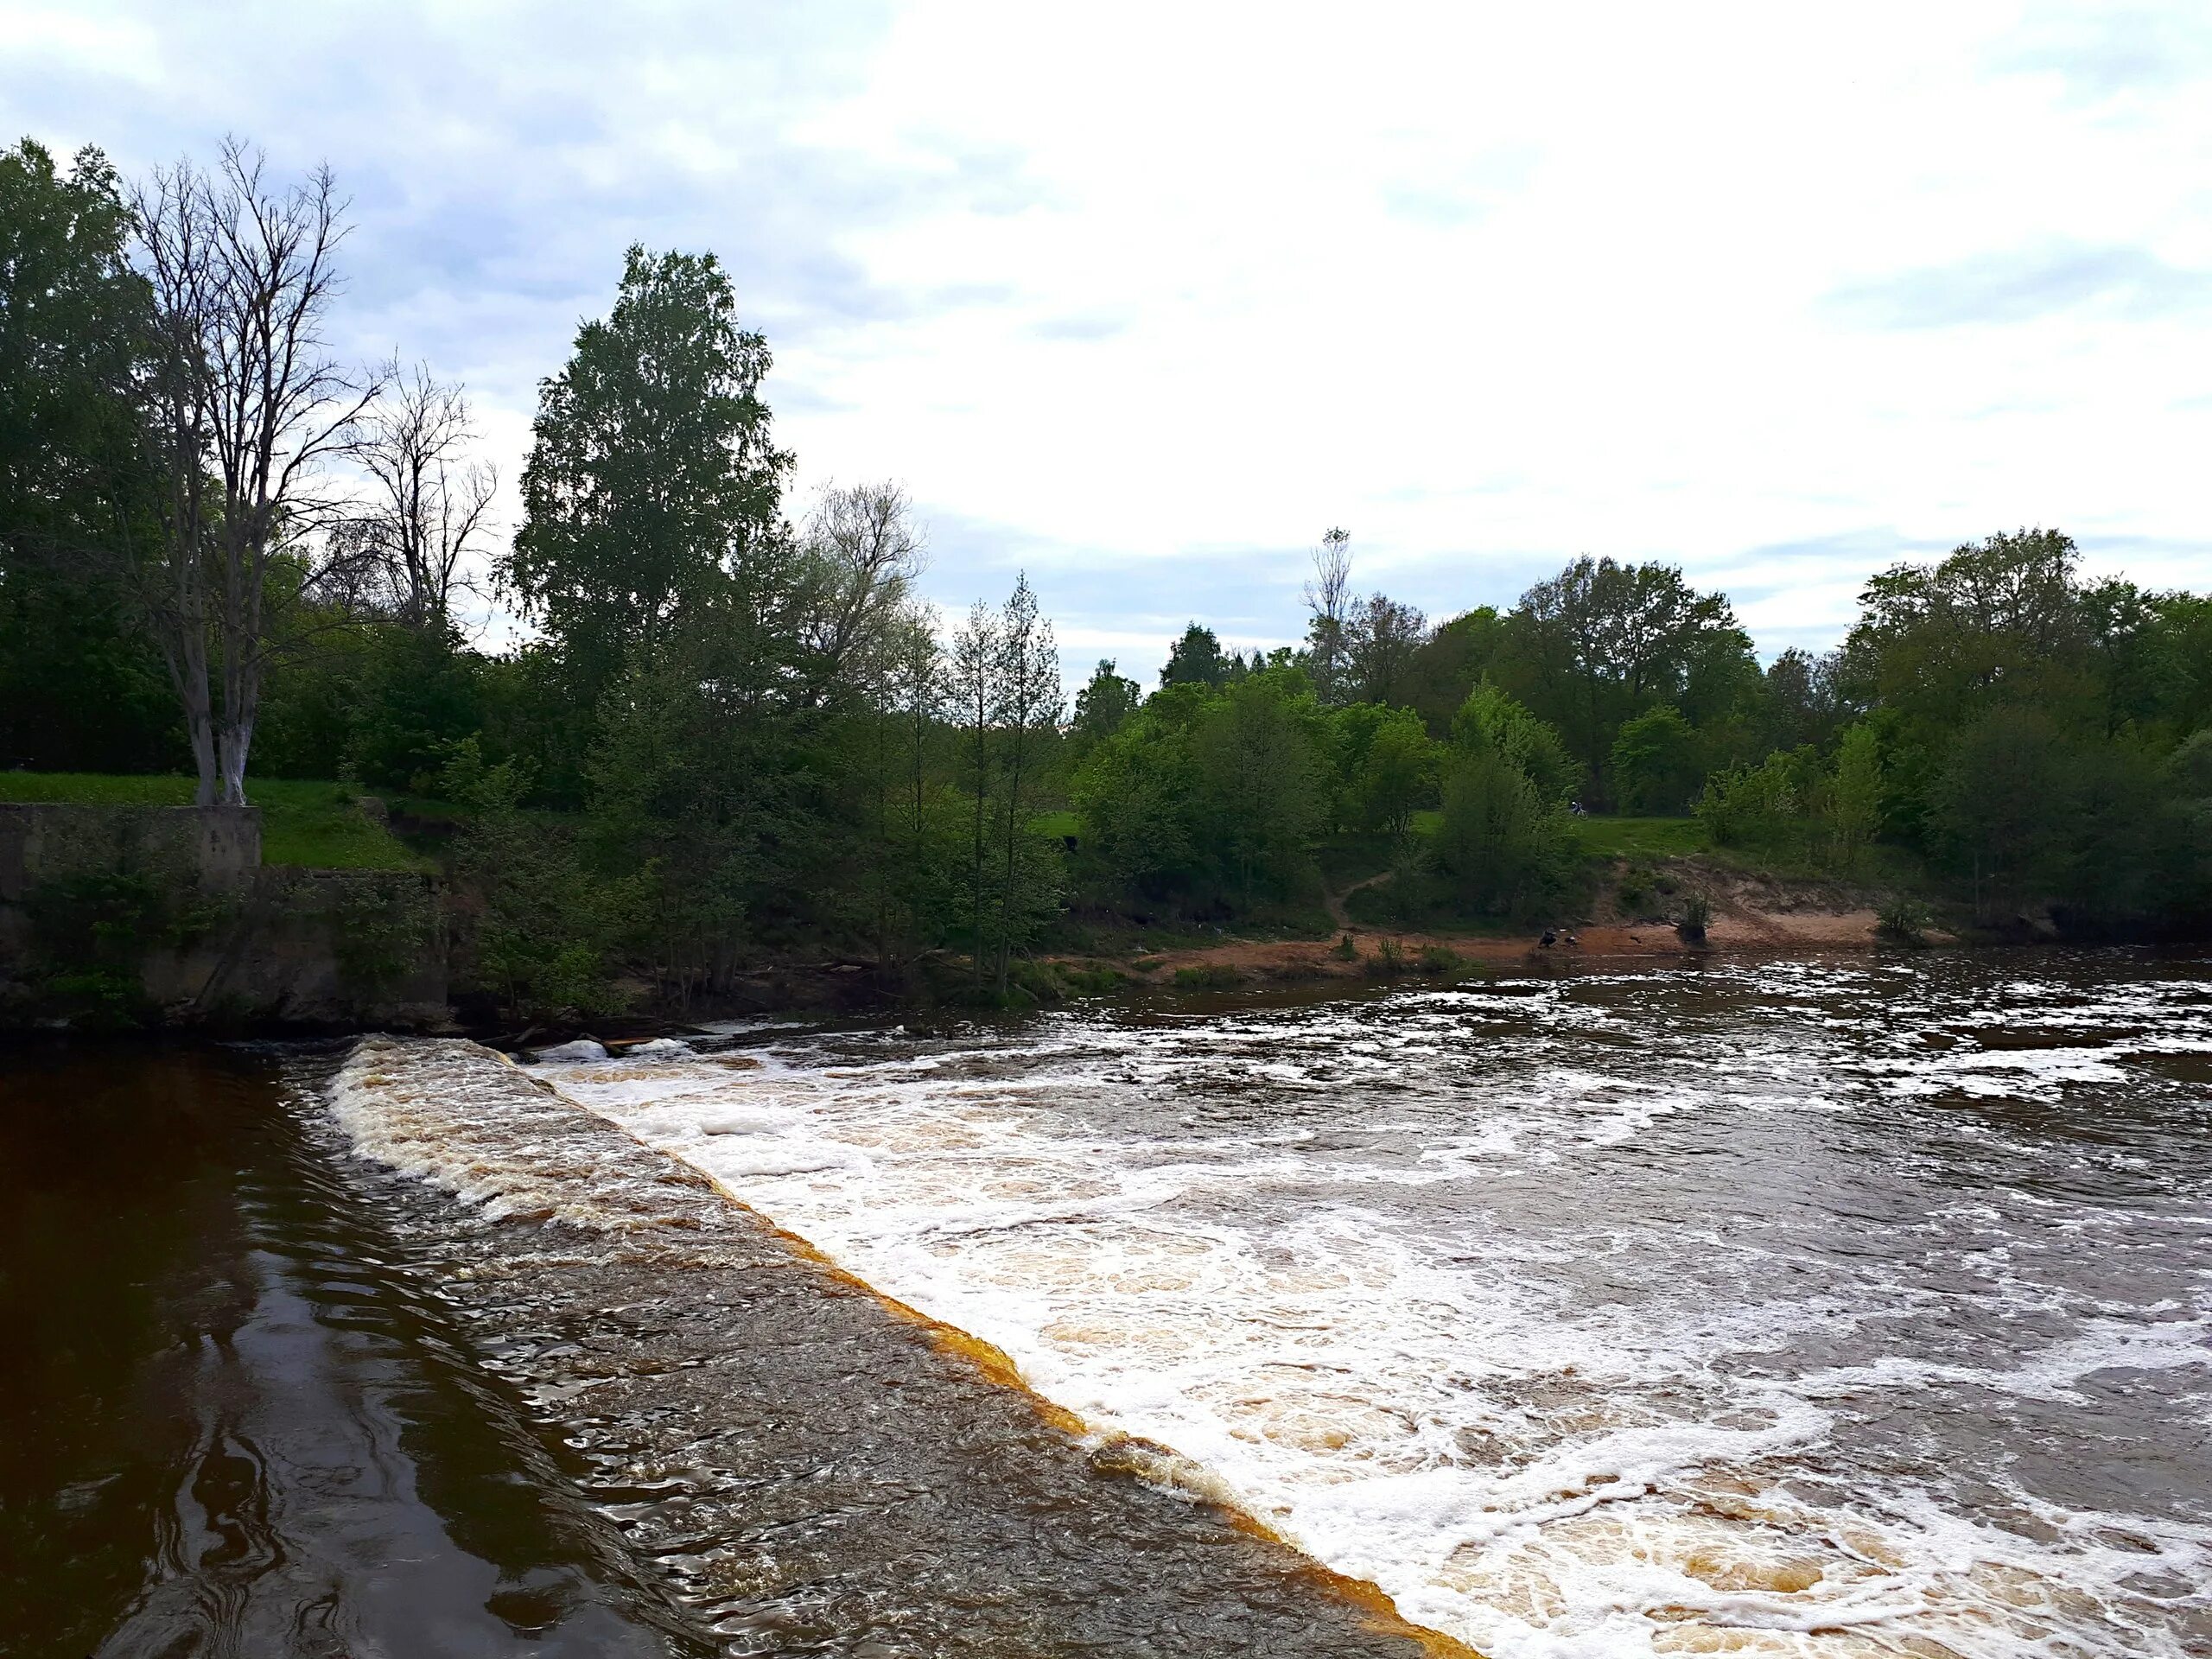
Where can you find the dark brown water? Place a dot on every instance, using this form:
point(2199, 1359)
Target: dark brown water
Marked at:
point(235, 1423)
point(264, 1397)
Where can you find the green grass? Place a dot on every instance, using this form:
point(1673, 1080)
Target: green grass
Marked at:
point(1058, 824)
point(94, 789)
point(302, 822)
point(1612, 838)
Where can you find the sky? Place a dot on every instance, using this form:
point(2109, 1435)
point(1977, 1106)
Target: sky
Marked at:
point(1141, 299)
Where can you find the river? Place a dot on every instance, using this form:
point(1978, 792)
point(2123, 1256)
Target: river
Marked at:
point(1850, 1307)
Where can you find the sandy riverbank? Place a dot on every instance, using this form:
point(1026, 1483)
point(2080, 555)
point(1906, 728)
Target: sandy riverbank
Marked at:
point(1739, 924)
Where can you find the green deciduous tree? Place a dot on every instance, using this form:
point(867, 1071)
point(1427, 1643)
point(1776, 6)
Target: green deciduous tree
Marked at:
point(1658, 762)
point(1855, 802)
point(1490, 718)
point(652, 483)
point(1601, 642)
point(1387, 768)
point(1028, 700)
point(1258, 771)
point(79, 688)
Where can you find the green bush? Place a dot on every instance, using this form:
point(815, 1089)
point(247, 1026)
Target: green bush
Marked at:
point(1697, 910)
point(1207, 976)
point(1757, 805)
point(1903, 920)
point(1388, 960)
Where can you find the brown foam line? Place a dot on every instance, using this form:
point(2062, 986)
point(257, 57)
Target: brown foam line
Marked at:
point(995, 1363)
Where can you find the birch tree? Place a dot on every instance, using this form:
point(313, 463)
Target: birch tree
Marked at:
point(971, 702)
point(862, 553)
point(1328, 599)
point(1027, 672)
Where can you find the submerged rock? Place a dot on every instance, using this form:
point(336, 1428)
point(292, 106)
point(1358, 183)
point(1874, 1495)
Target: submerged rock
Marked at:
point(582, 1050)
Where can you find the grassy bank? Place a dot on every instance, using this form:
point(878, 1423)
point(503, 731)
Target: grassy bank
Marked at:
point(303, 822)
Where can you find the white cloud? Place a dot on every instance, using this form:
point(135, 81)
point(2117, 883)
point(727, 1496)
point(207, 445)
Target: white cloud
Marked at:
point(1145, 297)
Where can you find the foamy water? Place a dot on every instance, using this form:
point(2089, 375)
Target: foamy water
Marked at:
point(1784, 1310)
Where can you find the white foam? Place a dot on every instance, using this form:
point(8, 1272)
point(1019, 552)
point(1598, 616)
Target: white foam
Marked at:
point(1544, 1446)
point(583, 1048)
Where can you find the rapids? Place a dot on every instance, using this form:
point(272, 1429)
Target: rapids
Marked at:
point(1796, 1308)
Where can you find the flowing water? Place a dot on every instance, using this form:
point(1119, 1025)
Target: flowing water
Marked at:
point(1782, 1308)
point(263, 1396)
point(235, 1423)
point(1796, 1308)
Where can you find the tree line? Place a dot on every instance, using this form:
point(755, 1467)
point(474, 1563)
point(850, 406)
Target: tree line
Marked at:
point(735, 733)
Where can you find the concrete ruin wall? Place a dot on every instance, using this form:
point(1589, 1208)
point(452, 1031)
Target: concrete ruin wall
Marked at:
point(167, 915)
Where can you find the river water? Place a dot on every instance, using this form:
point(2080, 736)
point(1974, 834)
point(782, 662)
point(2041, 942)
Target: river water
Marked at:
point(1788, 1308)
point(1809, 1308)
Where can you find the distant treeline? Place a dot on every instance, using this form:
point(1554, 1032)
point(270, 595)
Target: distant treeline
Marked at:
point(736, 734)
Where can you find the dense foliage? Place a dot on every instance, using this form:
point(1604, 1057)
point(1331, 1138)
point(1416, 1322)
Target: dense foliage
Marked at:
point(735, 735)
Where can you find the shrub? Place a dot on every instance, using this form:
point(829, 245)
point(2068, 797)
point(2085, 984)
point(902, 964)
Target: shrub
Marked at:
point(1657, 765)
point(1504, 848)
point(1388, 960)
point(1903, 920)
point(1093, 981)
point(1347, 951)
point(1755, 804)
point(1697, 910)
point(1439, 959)
point(1207, 976)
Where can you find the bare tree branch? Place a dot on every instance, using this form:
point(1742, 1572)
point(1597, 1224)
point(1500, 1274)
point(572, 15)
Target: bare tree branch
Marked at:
point(863, 553)
point(405, 553)
point(249, 405)
point(1328, 597)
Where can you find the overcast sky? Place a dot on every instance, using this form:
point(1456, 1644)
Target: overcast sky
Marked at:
point(1142, 298)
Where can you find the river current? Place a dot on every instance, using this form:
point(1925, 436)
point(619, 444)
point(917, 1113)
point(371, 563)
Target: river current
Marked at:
point(1836, 1308)
point(1805, 1308)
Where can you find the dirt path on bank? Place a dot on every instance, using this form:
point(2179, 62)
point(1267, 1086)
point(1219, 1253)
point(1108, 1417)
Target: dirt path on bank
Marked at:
point(1334, 903)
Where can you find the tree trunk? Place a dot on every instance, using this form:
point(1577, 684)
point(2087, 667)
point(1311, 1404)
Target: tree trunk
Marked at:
point(202, 728)
point(186, 656)
point(976, 908)
point(1012, 834)
point(230, 751)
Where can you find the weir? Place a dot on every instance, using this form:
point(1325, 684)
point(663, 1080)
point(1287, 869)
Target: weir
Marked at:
point(805, 1462)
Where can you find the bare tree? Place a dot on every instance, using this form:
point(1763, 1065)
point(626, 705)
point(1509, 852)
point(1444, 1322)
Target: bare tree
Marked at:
point(1328, 598)
point(861, 554)
point(248, 404)
point(429, 501)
